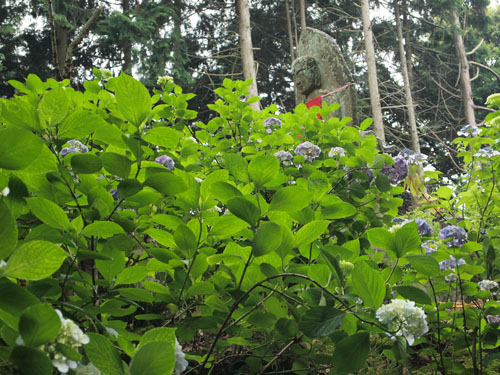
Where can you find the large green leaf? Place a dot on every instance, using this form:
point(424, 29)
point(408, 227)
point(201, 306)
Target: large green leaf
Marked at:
point(8, 231)
point(49, 212)
point(381, 238)
point(351, 352)
point(35, 260)
point(185, 239)
point(338, 210)
point(132, 99)
point(163, 136)
point(102, 353)
point(86, 163)
point(425, 264)
point(39, 324)
point(263, 169)
point(244, 209)
point(154, 358)
point(102, 229)
point(15, 299)
point(54, 107)
point(267, 238)
point(368, 284)
point(321, 321)
point(116, 164)
point(407, 239)
point(166, 183)
point(237, 166)
point(225, 226)
point(414, 294)
point(290, 199)
point(80, 124)
point(310, 232)
point(18, 148)
point(131, 275)
point(160, 334)
point(31, 361)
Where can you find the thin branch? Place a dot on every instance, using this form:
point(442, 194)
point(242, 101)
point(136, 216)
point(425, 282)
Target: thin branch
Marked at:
point(492, 71)
point(475, 48)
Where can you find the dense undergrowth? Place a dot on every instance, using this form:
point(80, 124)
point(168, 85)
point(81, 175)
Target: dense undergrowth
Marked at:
point(261, 243)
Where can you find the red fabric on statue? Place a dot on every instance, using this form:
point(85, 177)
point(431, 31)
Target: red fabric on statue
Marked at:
point(315, 102)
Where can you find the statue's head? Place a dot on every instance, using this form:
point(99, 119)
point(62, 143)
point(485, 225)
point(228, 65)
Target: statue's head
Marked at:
point(306, 74)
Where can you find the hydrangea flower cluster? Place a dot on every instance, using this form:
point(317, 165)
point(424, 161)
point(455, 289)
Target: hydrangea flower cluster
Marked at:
point(430, 246)
point(346, 266)
point(452, 236)
point(336, 151)
point(469, 131)
point(166, 161)
point(163, 80)
point(270, 123)
point(115, 194)
point(308, 150)
point(403, 318)
point(493, 319)
point(450, 264)
point(75, 146)
point(398, 171)
point(284, 157)
point(423, 228)
point(451, 277)
point(486, 152)
point(5, 191)
point(180, 359)
point(487, 285)
point(412, 156)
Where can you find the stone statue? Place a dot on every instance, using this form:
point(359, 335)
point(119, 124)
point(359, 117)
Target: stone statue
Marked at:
point(320, 71)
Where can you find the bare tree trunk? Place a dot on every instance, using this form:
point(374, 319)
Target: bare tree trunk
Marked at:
point(378, 125)
point(294, 19)
point(289, 29)
point(302, 15)
point(407, 38)
point(125, 43)
point(415, 145)
point(463, 70)
point(246, 48)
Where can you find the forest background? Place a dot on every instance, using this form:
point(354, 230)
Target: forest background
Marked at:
point(197, 43)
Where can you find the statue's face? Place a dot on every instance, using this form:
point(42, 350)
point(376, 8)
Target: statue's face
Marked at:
point(305, 85)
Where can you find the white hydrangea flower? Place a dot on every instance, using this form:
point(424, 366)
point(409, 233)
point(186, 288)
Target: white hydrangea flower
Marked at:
point(336, 151)
point(403, 318)
point(487, 285)
point(5, 191)
point(180, 359)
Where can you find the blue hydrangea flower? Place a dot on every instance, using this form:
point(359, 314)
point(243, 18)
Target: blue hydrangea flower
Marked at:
point(75, 146)
point(450, 264)
point(166, 161)
point(430, 246)
point(411, 156)
point(308, 150)
point(272, 122)
point(486, 152)
point(469, 131)
point(284, 157)
point(115, 194)
point(452, 235)
point(424, 229)
point(398, 171)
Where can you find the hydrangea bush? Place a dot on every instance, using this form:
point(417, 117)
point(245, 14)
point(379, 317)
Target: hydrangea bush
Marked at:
point(251, 244)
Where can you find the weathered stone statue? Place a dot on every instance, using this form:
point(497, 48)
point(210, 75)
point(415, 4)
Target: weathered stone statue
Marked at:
point(320, 69)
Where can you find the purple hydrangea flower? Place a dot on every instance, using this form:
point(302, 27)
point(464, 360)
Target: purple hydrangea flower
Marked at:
point(469, 131)
point(450, 264)
point(411, 156)
point(308, 150)
point(430, 246)
point(75, 146)
point(424, 229)
point(453, 236)
point(487, 285)
point(115, 194)
point(284, 157)
point(398, 171)
point(486, 152)
point(493, 318)
point(271, 122)
point(166, 161)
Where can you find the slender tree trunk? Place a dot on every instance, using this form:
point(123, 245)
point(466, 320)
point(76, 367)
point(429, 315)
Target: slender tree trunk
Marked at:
point(378, 125)
point(126, 45)
point(247, 49)
point(407, 38)
point(302, 15)
point(404, 70)
point(463, 70)
point(294, 19)
point(289, 29)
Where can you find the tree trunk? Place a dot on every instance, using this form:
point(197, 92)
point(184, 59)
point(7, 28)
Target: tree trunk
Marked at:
point(62, 49)
point(302, 15)
point(378, 125)
point(247, 60)
point(289, 29)
point(294, 19)
point(407, 38)
point(406, 79)
point(465, 82)
point(126, 45)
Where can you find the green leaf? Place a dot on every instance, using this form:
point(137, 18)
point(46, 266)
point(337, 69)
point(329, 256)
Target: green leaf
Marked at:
point(351, 352)
point(163, 136)
point(244, 209)
point(381, 238)
point(237, 166)
point(290, 199)
point(225, 226)
point(338, 210)
point(31, 361)
point(425, 264)
point(414, 294)
point(131, 275)
point(8, 231)
point(153, 358)
point(18, 148)
point(136, 294)
point(321, 321)
point(80, 124)
point(266, 239)
point(35, 260)
point(161, 334)
point(68, 352)
point(185, 239)
point(129, 187)
point(116, 164)
point(310, 232)
point(103, 355)
point(102, 229)
point(166, 183)
point(86, 163)
point(132, 99)
point(382, 182)
point(54, 106)
point(15, 299)
point(49, 213)
point(263, 169)
point(39, 324)
point(200, 288)
point(224, 191)
point(368, 284)
point(407, 239)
